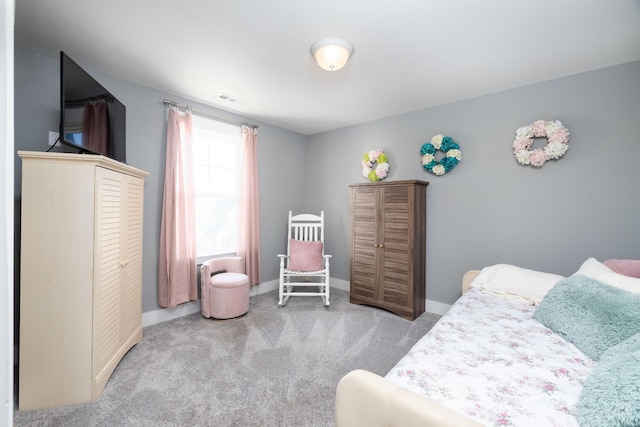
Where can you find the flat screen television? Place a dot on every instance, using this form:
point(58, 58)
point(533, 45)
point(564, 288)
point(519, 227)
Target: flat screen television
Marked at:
point(92, 120)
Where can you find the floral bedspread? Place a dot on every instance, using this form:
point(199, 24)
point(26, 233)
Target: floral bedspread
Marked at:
point(488, 359)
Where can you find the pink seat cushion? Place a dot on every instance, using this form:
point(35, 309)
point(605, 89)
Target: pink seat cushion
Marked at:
point(627, 267)
point(229, 280)
point(305, 255)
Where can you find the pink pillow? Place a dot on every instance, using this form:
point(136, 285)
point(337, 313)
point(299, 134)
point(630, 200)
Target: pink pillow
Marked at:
point(305, 256)
point(627, 267)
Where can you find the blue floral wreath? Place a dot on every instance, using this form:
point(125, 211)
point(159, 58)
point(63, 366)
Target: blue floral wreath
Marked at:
point(452, 154)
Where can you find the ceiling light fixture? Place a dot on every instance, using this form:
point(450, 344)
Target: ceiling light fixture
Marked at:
point(331, 53)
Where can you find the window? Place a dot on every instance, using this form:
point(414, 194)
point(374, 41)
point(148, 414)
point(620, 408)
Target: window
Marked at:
point(216, 169)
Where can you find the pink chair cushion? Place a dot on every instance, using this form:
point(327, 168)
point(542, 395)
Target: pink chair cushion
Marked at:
point(627, 267)
point(305, 255)
point(229, 280)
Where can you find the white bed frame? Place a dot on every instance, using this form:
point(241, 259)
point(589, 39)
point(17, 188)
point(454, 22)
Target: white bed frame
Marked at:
point(364, 399)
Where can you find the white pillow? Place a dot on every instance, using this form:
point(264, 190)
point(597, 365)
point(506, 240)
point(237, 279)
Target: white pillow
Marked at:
point(597, 270)
point(516, 283)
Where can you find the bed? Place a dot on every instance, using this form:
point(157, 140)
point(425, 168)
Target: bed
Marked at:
point(519, 348)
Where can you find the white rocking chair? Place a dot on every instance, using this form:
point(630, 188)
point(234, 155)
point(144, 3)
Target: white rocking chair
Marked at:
point(305, 264)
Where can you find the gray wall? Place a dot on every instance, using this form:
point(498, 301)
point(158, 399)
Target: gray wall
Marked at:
point(490, 209)
point(283, 178)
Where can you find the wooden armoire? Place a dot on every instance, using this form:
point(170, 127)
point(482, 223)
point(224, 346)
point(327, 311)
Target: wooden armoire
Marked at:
point(388, 235)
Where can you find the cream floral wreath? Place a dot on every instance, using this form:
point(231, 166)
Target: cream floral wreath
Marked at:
point(557, 144)
point(382, 165)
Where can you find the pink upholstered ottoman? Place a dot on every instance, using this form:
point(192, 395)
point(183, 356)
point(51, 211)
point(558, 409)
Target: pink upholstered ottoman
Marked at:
point(229, 295)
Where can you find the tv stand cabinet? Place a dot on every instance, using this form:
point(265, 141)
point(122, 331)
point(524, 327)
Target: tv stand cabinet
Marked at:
point(80, 275)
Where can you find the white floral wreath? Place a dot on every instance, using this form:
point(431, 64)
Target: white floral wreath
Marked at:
point(381, 169)
point(556, 134)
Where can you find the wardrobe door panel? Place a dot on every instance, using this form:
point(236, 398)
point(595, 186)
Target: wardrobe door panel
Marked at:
point(364, 265)
point(132, 280)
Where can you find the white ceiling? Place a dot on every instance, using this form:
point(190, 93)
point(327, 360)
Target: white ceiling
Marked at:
point(409, 54)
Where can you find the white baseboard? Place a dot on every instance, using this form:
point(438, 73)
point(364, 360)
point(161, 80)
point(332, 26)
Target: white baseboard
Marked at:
point(436, 307)
point(265, 287)
point(162, 315)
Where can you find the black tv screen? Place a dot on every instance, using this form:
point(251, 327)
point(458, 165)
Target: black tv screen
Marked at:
point(92, 120)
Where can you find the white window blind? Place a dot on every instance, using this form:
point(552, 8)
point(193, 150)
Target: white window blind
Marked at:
point(216, 168)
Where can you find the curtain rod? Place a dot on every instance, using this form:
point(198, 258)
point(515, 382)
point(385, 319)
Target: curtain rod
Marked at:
point(207, 114)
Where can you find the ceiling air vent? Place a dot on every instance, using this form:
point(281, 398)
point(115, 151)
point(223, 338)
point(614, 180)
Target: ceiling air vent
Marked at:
point(226, 97)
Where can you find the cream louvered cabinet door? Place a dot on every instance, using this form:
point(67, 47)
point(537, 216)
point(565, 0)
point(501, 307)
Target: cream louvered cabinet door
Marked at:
point(388, 246)
point(80, 275)
point(132, 278)
point(118, 273)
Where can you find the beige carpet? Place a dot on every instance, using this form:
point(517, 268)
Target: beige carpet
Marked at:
point(276, 366)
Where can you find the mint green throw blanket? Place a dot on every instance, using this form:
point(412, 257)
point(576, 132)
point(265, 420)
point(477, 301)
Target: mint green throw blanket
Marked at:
point(590, 314)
